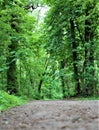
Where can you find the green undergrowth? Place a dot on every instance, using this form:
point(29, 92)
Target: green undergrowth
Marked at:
point(8, 101)
point(87, 98)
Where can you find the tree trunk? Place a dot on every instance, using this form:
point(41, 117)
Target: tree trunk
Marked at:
point(12, 86)
point(88, 89)
point(42, 76)
point(62, 78)
point(75, 58)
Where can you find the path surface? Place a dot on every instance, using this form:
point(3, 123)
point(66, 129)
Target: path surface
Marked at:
point(52, 115)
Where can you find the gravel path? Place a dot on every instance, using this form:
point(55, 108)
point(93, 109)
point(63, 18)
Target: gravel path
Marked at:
point(52, 115)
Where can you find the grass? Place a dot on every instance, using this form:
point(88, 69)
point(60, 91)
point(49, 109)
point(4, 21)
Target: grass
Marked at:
point(8, 101)
point(87, 98)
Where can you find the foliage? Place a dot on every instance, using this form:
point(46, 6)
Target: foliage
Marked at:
point(7, 101)
point(54, 58)
point(72, 29)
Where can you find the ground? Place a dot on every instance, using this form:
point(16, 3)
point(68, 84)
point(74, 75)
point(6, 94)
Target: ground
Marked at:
point(52, 115)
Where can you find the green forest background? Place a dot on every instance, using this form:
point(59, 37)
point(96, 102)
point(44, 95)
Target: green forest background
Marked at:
point(51, 56)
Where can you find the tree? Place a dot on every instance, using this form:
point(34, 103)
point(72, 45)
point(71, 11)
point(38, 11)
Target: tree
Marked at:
point(75, 57)
point(54, 58)
point(90, 28)
point(16, 18)
point(72, 25)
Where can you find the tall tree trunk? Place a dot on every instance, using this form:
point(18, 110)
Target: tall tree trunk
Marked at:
point(11, 71)
point(12, 85)
point(62, 78)
point(75, 58)
point(42, 76)
point(89, 54)
point(40, 84)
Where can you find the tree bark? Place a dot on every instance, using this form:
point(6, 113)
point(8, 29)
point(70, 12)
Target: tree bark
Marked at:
point(89, 71)
point(12, 86)
point(42, 76)
point(62, 78)
point(75, 58)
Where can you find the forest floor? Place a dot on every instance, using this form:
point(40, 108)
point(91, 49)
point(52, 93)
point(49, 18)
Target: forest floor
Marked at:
point(52, 115)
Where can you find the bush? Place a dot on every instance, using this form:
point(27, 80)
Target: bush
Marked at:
point(8, 101)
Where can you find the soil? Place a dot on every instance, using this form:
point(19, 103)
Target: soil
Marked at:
point(52, 115)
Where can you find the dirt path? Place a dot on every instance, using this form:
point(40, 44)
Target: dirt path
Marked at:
point(52, 115)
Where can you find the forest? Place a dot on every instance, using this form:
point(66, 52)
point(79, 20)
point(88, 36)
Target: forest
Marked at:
point(49, 49)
